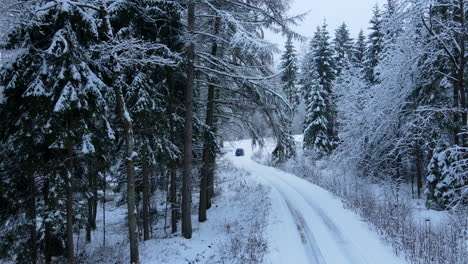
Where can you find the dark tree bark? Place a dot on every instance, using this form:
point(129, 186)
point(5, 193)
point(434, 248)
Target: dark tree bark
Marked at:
point(187, 175)
point(210, 177)
point(90, 210)
point(94, 199)
point(173, 164)
point(47, 229)
point(419, 169)
point(209, 144)
point(130, 161)
point(146, 200)
point(461, 42)
point(32, 216)
point(104, 187)
point(173, 196)
point(69, 205)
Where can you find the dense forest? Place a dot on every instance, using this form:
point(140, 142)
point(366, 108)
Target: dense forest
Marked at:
point(137, 97)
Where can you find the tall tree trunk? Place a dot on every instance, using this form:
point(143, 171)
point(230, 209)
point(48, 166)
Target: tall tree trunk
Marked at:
point(104, 187)
point(69, 205)
point(461, 71)
point(455, 106)
point(187, 176)
point(47, 229)
point(419, 169)
point(32, 216)
point(94, 199)
point(209, 144)
point(212, 153)
point(173, 164)
point(130, 160)
point(90, 209)
point(146, 200)
point(173, 196)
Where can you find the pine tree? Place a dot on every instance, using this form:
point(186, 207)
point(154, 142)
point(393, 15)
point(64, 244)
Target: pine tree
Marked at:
point(359, 50)
point(289, 76)
point(374, 46)
point(289, 86)
point(343, 47)
point(318, 76)
point(316, 137)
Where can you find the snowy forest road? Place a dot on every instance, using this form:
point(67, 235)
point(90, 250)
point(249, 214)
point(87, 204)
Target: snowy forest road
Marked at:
point(309, 225)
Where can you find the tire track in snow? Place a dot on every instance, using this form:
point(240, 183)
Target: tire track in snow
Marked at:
point(346, 246)
point(307, 237)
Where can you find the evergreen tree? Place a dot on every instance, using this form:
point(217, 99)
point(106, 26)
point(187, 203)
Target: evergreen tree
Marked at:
point(318, 76)
point(289, 87)
point(374, 46)
point(359, 50)
point(316, 137)
point(289, 76)
point(343, 48)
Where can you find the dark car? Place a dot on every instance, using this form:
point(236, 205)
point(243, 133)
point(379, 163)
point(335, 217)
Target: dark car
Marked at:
point(239, 152)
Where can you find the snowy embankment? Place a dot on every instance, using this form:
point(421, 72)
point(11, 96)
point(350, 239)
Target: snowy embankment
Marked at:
point(233, 233)
point(309, 225)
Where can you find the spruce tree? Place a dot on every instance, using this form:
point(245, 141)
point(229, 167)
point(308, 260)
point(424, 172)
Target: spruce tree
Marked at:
point(289, 76)
point(359, 50)
point(318, 76)
point(374, 46)
point(289, 86)
point(316, 137)
point(343, 47)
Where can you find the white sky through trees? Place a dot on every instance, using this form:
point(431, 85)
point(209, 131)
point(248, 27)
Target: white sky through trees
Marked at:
point(355, 13)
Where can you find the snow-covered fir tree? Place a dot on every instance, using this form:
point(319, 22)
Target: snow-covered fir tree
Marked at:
point(318, 74)
point(289, 75)
point(359, 50)
point(343, 48)
point(289, 78)
point(374, 46)
point(316, 137)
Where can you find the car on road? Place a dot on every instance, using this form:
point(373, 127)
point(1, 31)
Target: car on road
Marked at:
point(239, 152)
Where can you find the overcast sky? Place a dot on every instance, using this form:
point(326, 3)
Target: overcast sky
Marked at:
point(355, 13)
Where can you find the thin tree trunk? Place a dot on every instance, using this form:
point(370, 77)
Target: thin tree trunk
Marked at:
point(208, 146)
point(130, 160)
point(94, 200)
point(146, 191)
point(419, 170)
point(173, 164)
point(461, 39)
point(90, 210)
point(69, 205)
point(104, 212)
point(47, 229)
point(210, 177)
point(173, 196)
point(187, 176)
point(32, 217)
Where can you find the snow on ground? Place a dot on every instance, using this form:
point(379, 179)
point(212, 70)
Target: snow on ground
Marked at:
point(233, 233)
point(310, 225)
point(419, 210)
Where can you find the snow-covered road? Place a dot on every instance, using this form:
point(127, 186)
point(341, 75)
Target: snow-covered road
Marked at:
point(310, 225)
